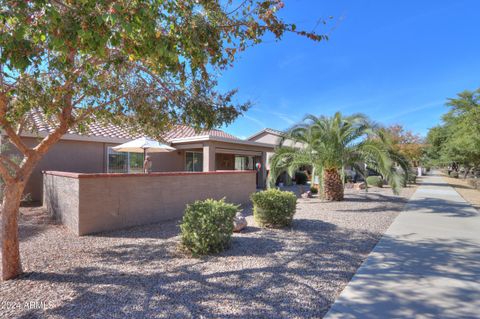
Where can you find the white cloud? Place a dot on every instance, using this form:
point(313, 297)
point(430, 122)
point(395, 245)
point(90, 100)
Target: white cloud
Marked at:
point(256, 121)
point(412, 110)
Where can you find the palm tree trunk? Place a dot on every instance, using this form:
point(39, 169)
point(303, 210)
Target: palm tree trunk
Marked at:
point(333, 186)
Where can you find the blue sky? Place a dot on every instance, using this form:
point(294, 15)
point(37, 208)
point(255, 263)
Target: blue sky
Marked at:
point(396, 61)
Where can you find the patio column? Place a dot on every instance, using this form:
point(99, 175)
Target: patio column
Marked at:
point(262, 175)
point(208, 157)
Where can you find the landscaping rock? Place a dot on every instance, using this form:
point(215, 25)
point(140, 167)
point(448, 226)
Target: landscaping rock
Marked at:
point(239, 222)
point(349, 185)
point(359, 186)
point(307, 195)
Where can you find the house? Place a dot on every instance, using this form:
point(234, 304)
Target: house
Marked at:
point(274, 138)
point(91, 152)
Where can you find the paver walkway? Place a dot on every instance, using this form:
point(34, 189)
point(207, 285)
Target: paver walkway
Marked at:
point(427, 265)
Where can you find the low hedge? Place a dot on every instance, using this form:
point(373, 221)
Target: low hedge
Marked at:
point(207, 226)
point(375, 181)
point(274, 208)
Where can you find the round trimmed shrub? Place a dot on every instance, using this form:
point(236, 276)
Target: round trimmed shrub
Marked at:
point(314, 190)
point(274, 208)
point(207, 226)
point(301, 178)
point(375, 181)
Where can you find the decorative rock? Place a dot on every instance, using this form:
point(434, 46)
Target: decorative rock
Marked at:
point(239, 222)
point(349, 185)
point(307, 195)
point(359, 186)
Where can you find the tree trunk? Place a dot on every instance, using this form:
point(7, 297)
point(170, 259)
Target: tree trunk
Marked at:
point(332, 185)
point(11, 265)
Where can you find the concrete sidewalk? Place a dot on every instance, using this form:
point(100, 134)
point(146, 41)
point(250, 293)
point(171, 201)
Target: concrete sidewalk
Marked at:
point(427, 265)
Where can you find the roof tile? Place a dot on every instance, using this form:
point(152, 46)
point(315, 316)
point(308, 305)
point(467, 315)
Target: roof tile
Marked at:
point(39, 123)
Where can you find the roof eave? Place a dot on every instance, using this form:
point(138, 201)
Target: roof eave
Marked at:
point(204, 138)
point(265, 130)
point(81, 138)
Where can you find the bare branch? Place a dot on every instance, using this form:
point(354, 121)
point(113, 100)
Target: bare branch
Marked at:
point(12, 135)
point(7, 178)
point(9, 162)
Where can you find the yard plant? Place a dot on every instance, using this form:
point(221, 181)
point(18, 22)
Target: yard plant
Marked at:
point(207, 226)
point(145, 64)
point(375, 181)
point(274, 208)
point(331, 144)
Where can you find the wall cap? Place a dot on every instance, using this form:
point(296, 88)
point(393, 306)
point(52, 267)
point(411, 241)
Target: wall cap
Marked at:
point(153, 174)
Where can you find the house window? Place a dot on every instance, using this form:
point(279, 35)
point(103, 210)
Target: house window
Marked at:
point(122, 162)
point(194, 161)
point(243, 163)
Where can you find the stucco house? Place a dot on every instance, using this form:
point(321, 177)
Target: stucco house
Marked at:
point(91, 152)
point(273, 138)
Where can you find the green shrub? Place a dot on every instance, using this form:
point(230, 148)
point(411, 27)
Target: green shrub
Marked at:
point(207, 226)
point(301, 178)
point(314, 190)
point(375, 181)
point(412, 178)
point(274, 208)
point(454, 174)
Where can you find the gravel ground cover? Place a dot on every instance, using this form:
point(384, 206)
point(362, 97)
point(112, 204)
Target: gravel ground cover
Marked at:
point(140, 273)
point(465, 190)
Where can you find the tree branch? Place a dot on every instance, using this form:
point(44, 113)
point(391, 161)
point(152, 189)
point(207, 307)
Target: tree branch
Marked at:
point(12, 135)
point(9, 162)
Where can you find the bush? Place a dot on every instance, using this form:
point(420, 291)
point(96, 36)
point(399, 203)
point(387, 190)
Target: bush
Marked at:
point(274, 208)
point(301, 178)
point(314, 190)
point(454, 174)
point(375, 181)
point(412, 178)
point(207, 226)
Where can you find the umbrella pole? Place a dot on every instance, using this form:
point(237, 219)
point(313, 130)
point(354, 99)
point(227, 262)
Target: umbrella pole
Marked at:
point(144, 158)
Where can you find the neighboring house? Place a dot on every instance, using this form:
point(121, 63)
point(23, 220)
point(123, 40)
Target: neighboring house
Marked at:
point(274, 138)
point(91, 152)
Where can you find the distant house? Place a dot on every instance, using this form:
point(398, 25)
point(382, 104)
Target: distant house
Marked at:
point(91, 152)
point(274, 138)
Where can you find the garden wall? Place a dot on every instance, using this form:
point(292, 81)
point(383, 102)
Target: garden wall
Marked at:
point(91, 203)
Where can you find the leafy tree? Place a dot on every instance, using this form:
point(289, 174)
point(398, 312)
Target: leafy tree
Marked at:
point(458, 138)
point(148, 64)
point(333, 143)
point(406, 143)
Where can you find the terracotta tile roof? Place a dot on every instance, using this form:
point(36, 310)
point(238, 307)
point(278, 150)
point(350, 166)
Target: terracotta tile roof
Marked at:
point(183, 131)
point(38, 122)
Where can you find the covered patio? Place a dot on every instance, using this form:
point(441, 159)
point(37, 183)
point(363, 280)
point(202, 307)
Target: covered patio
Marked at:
point(211, 153)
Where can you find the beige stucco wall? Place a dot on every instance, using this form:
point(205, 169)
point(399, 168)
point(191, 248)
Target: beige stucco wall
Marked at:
point(61, 199)
point(69, 156)
point(91, 157)
point(267, 138)
point(86, 157)
point(107, 202)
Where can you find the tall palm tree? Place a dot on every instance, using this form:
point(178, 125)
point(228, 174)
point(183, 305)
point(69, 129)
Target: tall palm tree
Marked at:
point(330, 144)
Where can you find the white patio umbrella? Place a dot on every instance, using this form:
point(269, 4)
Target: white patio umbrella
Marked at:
point(142, 145)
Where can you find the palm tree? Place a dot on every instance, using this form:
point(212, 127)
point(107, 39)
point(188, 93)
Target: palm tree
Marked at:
point(330, 144)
